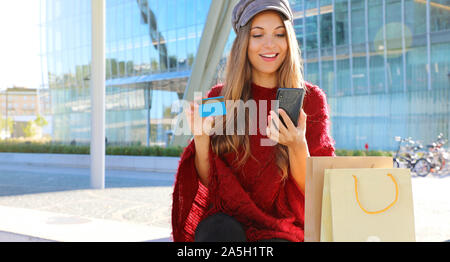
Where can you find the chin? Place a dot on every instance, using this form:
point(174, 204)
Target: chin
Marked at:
point(266, 70)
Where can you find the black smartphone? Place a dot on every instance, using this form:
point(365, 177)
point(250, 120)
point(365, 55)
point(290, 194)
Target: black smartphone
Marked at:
point(291, 101)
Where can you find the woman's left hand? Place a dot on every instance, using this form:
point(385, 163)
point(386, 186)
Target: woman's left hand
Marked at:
point(288, 135)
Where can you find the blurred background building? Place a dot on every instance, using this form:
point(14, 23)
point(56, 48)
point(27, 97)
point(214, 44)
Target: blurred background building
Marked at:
point(20, 107)
point(384, 65)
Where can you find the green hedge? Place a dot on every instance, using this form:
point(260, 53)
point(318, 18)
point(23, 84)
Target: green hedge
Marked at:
point(134, 150)
point(343, 152)
point(51, 148)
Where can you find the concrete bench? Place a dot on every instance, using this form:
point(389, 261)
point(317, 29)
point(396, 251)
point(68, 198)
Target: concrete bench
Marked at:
point(159, 164)
point(29, 225)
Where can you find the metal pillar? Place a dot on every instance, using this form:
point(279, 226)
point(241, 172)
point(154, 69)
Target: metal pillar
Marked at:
point(98, 69)
point(350, 46)
point(403, 45)
point(335, 87)
point(366, 18)
point(386, 86)
point(148, 98)
point(319, 46)
point(304, 53)
point(428, 46)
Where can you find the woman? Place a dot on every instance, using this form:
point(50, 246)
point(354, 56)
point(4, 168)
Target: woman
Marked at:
point(230, 187)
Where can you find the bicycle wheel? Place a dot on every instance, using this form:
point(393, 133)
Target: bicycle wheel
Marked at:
point(402, 162)
point(396, 163)
point(421, 167)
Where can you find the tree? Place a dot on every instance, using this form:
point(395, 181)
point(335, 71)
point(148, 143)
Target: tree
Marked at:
point(30, 130)
point(40, 121)
point(6, 125)
point(34, 127)
point(190, 59)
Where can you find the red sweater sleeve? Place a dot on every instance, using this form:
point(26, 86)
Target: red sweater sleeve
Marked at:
point(198, 209)
point(190, 197)
point(320, 142)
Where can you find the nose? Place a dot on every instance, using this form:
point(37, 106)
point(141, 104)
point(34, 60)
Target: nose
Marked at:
point(269, 41)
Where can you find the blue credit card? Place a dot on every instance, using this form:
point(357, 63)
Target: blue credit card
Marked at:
point(213, 106)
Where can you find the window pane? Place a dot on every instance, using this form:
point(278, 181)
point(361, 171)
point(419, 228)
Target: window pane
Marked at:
point(376, 47)
point(358, 22)
point(172, 49)
point(440, 66)
point(162, 16)
point(191, 45)
point(313, 73)
point(343, 76)
point(416, 69)
point(415, 17)
point(439, 15)
point(311, 32)
point(181, 50)
point(202, 8)
point(375, 10)
point(341, 16)
point(326, 30)
point(376, 72)
point(162, 51)
point(298, 27)
point(180, 18)
point(394, 73)
point(327, 77)
point(359, 75)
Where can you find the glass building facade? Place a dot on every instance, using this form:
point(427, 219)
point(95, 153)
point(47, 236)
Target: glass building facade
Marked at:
point(384, 65)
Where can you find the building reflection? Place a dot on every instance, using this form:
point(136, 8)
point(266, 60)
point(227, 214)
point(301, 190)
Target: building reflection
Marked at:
point(384, 66)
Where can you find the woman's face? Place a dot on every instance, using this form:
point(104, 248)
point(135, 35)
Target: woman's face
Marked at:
point(267, 38)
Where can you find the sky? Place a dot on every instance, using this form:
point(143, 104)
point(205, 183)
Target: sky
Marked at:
point(20, 63)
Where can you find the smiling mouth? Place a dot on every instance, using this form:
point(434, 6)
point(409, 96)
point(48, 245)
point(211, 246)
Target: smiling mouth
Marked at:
point(269, 57)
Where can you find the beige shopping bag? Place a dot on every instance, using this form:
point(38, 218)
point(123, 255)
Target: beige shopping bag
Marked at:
point(367, 204)
point(315, 167)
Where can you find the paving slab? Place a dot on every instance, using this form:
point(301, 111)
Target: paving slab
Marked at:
point(49, 226)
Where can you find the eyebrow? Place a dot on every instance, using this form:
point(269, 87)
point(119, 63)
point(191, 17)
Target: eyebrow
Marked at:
point(258, 27)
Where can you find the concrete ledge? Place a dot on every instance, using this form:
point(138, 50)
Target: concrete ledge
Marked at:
point(28, 225)
point(11, 237)
point(159, 164)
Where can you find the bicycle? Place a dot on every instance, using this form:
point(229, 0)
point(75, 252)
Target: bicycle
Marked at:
point(410, 159)
point(437, 156)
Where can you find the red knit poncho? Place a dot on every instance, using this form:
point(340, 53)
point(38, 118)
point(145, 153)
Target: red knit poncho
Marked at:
point(253, 194)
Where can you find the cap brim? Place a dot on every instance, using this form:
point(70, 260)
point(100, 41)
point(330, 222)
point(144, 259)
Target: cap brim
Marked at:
point(265, 8)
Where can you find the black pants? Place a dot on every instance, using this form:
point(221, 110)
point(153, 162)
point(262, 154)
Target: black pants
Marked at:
point(223, 228)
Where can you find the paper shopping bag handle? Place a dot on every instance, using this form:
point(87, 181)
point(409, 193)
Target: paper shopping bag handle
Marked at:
point(382, 210)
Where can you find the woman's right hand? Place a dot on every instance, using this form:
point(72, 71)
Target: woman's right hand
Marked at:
point(199, 126)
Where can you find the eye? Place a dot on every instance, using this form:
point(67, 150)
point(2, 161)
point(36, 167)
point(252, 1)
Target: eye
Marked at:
point(257, 36)
point(280, 35)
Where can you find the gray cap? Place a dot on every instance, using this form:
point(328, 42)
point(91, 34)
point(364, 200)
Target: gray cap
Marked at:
point(245, 10)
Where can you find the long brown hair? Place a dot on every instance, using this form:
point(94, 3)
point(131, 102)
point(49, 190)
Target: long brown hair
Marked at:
point(237, 86)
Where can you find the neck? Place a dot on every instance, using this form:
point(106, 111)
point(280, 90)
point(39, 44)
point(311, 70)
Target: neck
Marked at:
point(265, 80)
